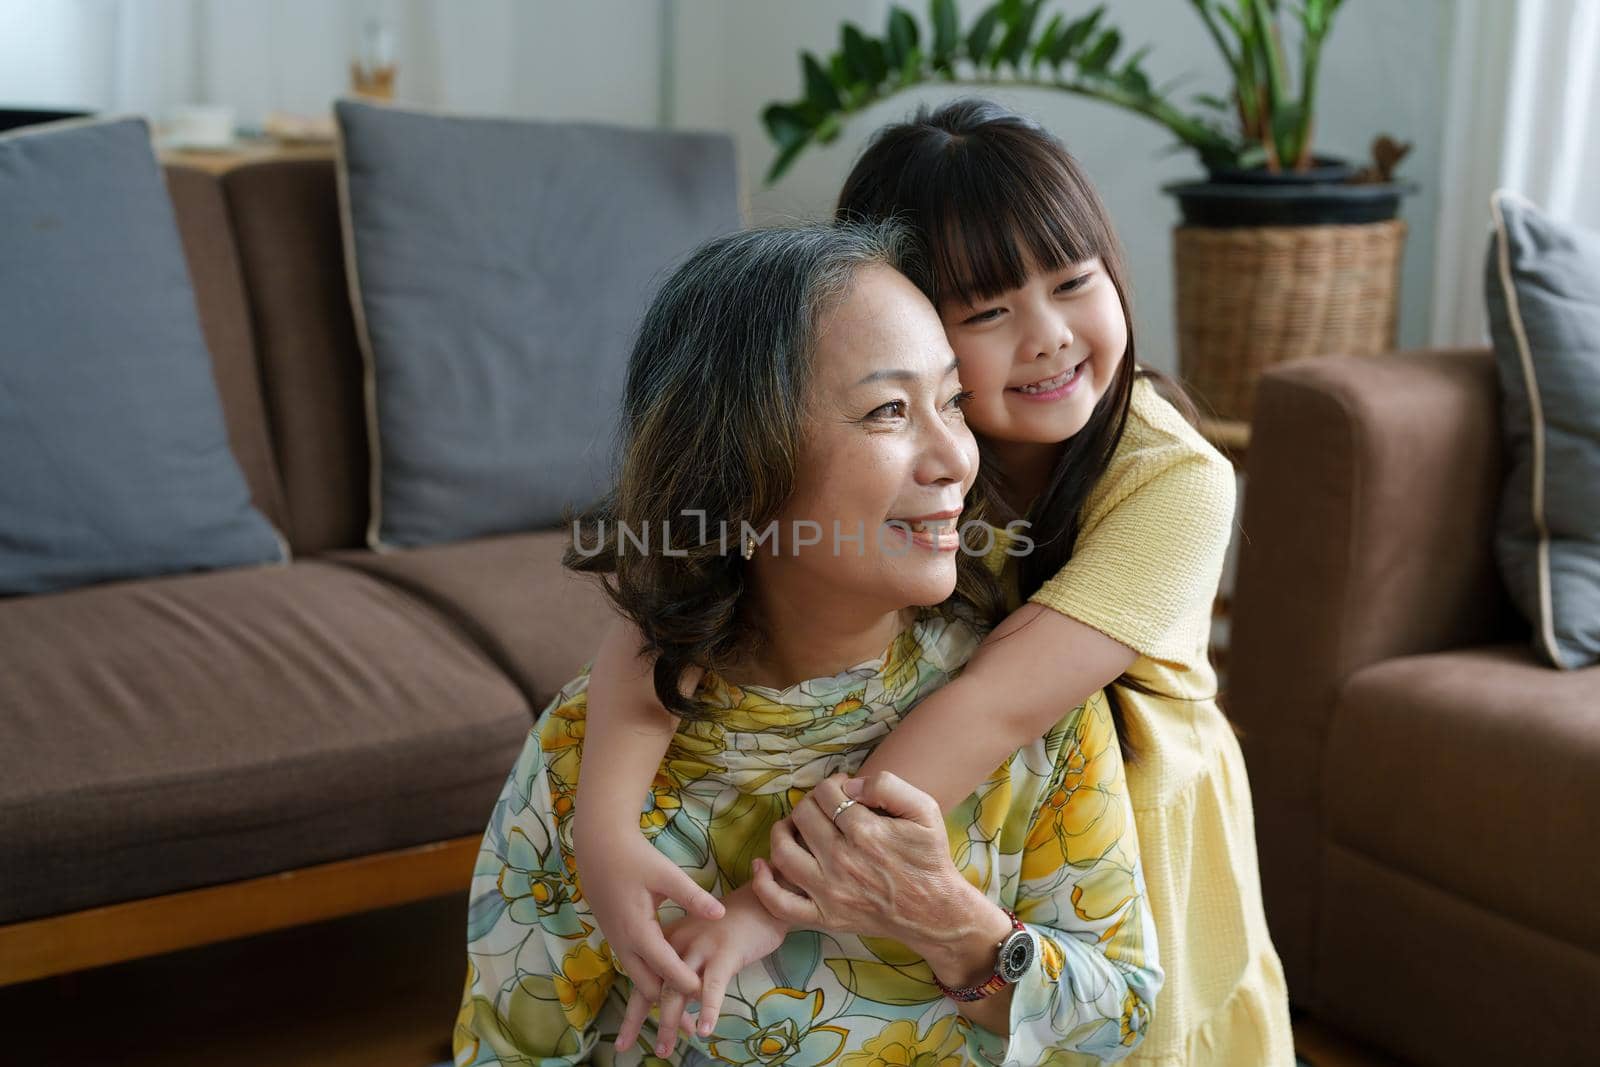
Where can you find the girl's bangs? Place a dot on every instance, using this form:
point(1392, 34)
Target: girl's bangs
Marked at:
point(997, 219)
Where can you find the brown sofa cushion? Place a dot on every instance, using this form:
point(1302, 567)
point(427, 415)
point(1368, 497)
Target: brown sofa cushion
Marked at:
point(286, 221)
point(510, 594)
point(162, 735)
point(1437, 981)
point(1477, 771)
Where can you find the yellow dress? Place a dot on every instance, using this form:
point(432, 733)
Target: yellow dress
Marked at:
point(1144, 571)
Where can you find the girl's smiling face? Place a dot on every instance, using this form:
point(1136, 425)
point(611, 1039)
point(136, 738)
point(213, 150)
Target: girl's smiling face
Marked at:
point(1038, 358)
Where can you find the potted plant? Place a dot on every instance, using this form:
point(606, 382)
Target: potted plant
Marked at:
point(1282, 253)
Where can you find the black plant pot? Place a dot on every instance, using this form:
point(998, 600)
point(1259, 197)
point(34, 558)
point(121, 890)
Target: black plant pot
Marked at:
point(1321, 196)
point(1324, 170)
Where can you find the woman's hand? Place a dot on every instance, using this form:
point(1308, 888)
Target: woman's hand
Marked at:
point(716, 948)
point(882, 868)
point(625, 880)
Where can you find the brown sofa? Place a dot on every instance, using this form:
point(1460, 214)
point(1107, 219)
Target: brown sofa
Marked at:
point(1427, 794)
point(304, 740)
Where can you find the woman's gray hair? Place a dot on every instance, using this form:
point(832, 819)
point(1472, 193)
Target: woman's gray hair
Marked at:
point(750, 302)
point(713, 411)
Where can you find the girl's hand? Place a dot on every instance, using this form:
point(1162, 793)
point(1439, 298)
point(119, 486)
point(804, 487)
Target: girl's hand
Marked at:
point(718, 949)
point(883, 869)
point(625, 880)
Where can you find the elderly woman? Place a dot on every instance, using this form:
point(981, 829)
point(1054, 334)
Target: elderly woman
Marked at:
point(794, 465)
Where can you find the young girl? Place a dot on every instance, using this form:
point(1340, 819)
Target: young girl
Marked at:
point(1130, 512)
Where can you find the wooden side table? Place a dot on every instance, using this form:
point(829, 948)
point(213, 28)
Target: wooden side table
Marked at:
point(224, 159)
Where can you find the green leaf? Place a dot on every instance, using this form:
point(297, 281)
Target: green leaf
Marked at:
point(1076, 33)
point(901, 38)
point(786, 157)
point(1134, 82)
point(1132, 78)
point(1236, 26)
point(839, 70)
point(820, 91)
point(1100, 54)
point(785, 125)
point(1047, 40)
point(1314, 16)
point(1251, 156)
point(863, 55)
point(1264, 13)
point(946, 32)
point(911, 68)
point(981, 33)
point(1285, 125)
point(1214, 102)
point(1014, 45)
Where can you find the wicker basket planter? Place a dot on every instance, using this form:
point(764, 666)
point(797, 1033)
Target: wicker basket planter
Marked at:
point(1250, 297)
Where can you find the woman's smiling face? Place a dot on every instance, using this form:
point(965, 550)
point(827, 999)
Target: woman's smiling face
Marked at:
point(884, 439)
point(1038, 358)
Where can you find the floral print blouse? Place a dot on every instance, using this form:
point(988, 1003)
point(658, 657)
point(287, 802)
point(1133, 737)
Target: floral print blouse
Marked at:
point(1050, 835)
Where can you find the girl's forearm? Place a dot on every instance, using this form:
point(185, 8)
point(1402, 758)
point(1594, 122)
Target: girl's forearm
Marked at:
point(625, 736)
point(1035, 667)
point(926, 752)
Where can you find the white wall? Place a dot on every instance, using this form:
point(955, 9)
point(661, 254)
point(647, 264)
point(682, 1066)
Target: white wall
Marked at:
point(598, 60)
point(595, 61)
point(39, 69)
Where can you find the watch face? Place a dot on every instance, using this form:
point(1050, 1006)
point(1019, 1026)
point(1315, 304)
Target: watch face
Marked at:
point(1016, 955)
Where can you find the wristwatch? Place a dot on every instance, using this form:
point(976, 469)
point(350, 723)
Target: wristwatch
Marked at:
point(1014, 959)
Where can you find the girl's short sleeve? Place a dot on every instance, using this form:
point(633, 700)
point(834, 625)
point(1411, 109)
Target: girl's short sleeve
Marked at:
point(1145, 568)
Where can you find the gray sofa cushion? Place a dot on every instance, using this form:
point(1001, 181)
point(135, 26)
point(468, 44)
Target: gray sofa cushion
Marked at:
point(1543, 292)
point(116, 455)
point(498, 271)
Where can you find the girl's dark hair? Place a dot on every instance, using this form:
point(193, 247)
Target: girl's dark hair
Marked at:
point(989, 193)
point(712, 422)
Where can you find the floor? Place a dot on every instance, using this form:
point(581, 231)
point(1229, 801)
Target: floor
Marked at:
point(374, 990)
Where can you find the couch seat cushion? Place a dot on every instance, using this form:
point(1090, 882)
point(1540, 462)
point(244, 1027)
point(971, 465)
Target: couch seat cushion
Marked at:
point(1477, 772)
point(539, 622)
point(168, 734)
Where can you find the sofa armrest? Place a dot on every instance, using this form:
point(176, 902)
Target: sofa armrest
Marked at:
point(1371, 492)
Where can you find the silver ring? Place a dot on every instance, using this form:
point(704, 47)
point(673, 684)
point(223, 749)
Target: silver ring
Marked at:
point(845, 803)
